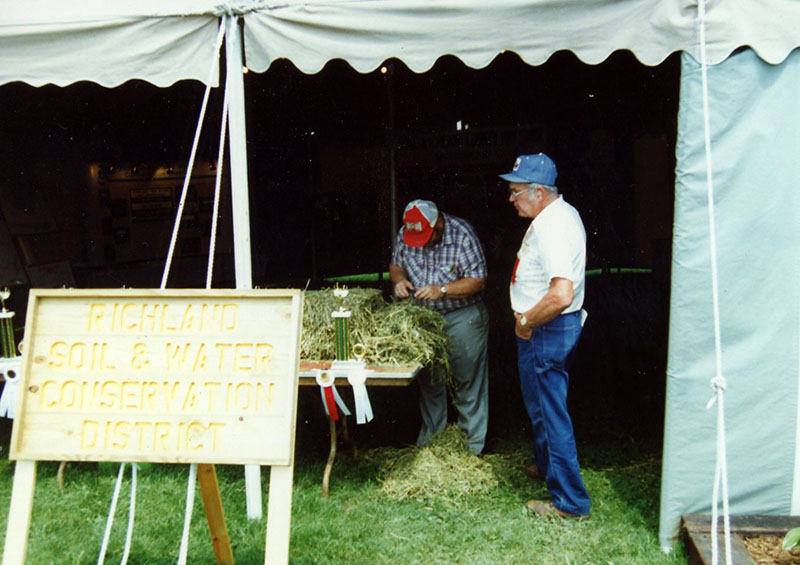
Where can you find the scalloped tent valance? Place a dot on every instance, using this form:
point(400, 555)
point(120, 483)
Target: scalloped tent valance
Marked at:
point(112, 41)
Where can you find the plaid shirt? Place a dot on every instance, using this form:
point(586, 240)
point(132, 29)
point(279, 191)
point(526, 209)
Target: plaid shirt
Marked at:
point(456, 255)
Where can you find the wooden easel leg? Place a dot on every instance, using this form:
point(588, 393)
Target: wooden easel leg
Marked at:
point(19, 513)
point(60, 474)
point(212, 502)
point(279, 514)
point(326, 476)
point(252, 482)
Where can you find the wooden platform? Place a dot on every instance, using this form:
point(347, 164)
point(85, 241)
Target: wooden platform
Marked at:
point(696, 529)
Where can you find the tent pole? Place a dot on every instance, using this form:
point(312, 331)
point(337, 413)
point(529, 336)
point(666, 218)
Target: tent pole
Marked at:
point(241, 207)
point(392, 144)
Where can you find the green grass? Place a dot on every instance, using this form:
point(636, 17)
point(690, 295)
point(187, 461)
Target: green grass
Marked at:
point(358, 523)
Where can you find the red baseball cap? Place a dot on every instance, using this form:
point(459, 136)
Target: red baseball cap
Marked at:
point(419, 219)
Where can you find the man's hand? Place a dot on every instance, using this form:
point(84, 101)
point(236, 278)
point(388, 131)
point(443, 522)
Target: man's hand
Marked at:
point(429, 292)
point(403, 288)
point(521, 331)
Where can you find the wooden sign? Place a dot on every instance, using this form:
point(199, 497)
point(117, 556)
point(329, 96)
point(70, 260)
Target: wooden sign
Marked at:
point(170, 376)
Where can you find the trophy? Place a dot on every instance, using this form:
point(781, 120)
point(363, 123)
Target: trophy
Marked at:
point(10, 361)
point(345, 366)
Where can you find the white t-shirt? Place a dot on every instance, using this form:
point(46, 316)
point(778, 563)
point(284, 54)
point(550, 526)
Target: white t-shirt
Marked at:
point(554, 246)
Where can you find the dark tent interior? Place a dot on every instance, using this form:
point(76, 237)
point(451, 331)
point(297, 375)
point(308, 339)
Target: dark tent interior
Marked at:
point(90, 178)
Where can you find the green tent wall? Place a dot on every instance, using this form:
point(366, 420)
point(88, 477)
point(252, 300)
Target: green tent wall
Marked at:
point(755, 148)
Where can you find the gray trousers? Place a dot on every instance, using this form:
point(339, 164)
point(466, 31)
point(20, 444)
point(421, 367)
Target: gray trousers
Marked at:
point(468, 329)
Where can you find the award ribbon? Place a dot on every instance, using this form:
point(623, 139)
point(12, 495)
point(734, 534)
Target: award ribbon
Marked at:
point(10, 363)
point(330, 396)
point(357, 379)
point(10, 370)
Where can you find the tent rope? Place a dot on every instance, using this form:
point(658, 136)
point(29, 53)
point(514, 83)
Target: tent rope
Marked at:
point(164, 278)
point(191, 486)
point(212, 244)
point(232, 8)
point(110, 520)
point(718, 383)
point(190, 491)
point(190, 166)
point(131, 515)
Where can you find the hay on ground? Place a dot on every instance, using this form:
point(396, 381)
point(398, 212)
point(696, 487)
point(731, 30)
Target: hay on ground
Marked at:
point(444, 469)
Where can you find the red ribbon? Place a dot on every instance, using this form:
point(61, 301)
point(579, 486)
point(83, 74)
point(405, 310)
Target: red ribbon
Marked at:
point(330, 402)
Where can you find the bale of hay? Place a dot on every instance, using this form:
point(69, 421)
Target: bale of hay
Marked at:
point(444, 469)
point(393, 333)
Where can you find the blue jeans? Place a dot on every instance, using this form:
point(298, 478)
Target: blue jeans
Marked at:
point(543, 360)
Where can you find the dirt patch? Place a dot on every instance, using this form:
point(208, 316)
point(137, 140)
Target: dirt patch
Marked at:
point(767, 550)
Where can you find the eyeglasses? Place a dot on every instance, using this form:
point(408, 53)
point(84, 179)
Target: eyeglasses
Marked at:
point(514, 194)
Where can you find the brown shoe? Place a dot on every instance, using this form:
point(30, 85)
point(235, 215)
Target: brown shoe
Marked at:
point(546, 508)
point(532, 470)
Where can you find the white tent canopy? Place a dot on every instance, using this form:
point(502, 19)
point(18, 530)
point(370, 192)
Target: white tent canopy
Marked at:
point(163, 41)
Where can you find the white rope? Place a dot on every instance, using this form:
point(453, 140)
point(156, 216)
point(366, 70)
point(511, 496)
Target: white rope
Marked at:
point(110, 520)
point(718, 382)
point(131, 515)
point(217, 189)
point(192, 483)
point(190, 166)
point(190, 490)
point(165, 276)
point(232, 8)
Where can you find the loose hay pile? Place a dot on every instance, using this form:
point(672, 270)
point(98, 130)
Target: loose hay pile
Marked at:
point(397, 333)
point(444, 469)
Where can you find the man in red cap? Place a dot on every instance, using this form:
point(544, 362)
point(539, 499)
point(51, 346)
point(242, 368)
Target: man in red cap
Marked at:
point(439, 261)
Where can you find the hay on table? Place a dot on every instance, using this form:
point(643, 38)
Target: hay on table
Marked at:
point(393, 333)
point(444, 469)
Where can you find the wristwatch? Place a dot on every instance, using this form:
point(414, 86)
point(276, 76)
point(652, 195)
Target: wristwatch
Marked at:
point(443, 289)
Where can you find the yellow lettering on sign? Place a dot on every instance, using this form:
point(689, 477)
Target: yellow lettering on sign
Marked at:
point(156, 437)
point(58, 354)
point(161, 318)
point(200, 360)
point(79, 356)
point(96, 314)
point(253, 358)
point(139, 360)
point(263, 357)
point(153, 396)
point(221, 348)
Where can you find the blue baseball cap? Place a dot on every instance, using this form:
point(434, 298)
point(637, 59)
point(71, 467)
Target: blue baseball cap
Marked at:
point(538, 168)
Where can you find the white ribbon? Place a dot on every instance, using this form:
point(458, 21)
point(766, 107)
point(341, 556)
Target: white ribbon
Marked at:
point(357, 379)
point(339, 402)
point(8, 400)
point(326, 379)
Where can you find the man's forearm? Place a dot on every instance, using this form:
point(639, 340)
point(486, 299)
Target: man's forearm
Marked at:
point(552, 304)
point(464, 288)
point(397, 274)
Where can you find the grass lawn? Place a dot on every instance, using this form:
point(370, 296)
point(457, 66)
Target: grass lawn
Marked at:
point(360, 523)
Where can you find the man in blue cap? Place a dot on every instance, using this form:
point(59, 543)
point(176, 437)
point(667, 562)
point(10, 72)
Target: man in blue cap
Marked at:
point(547, 287)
